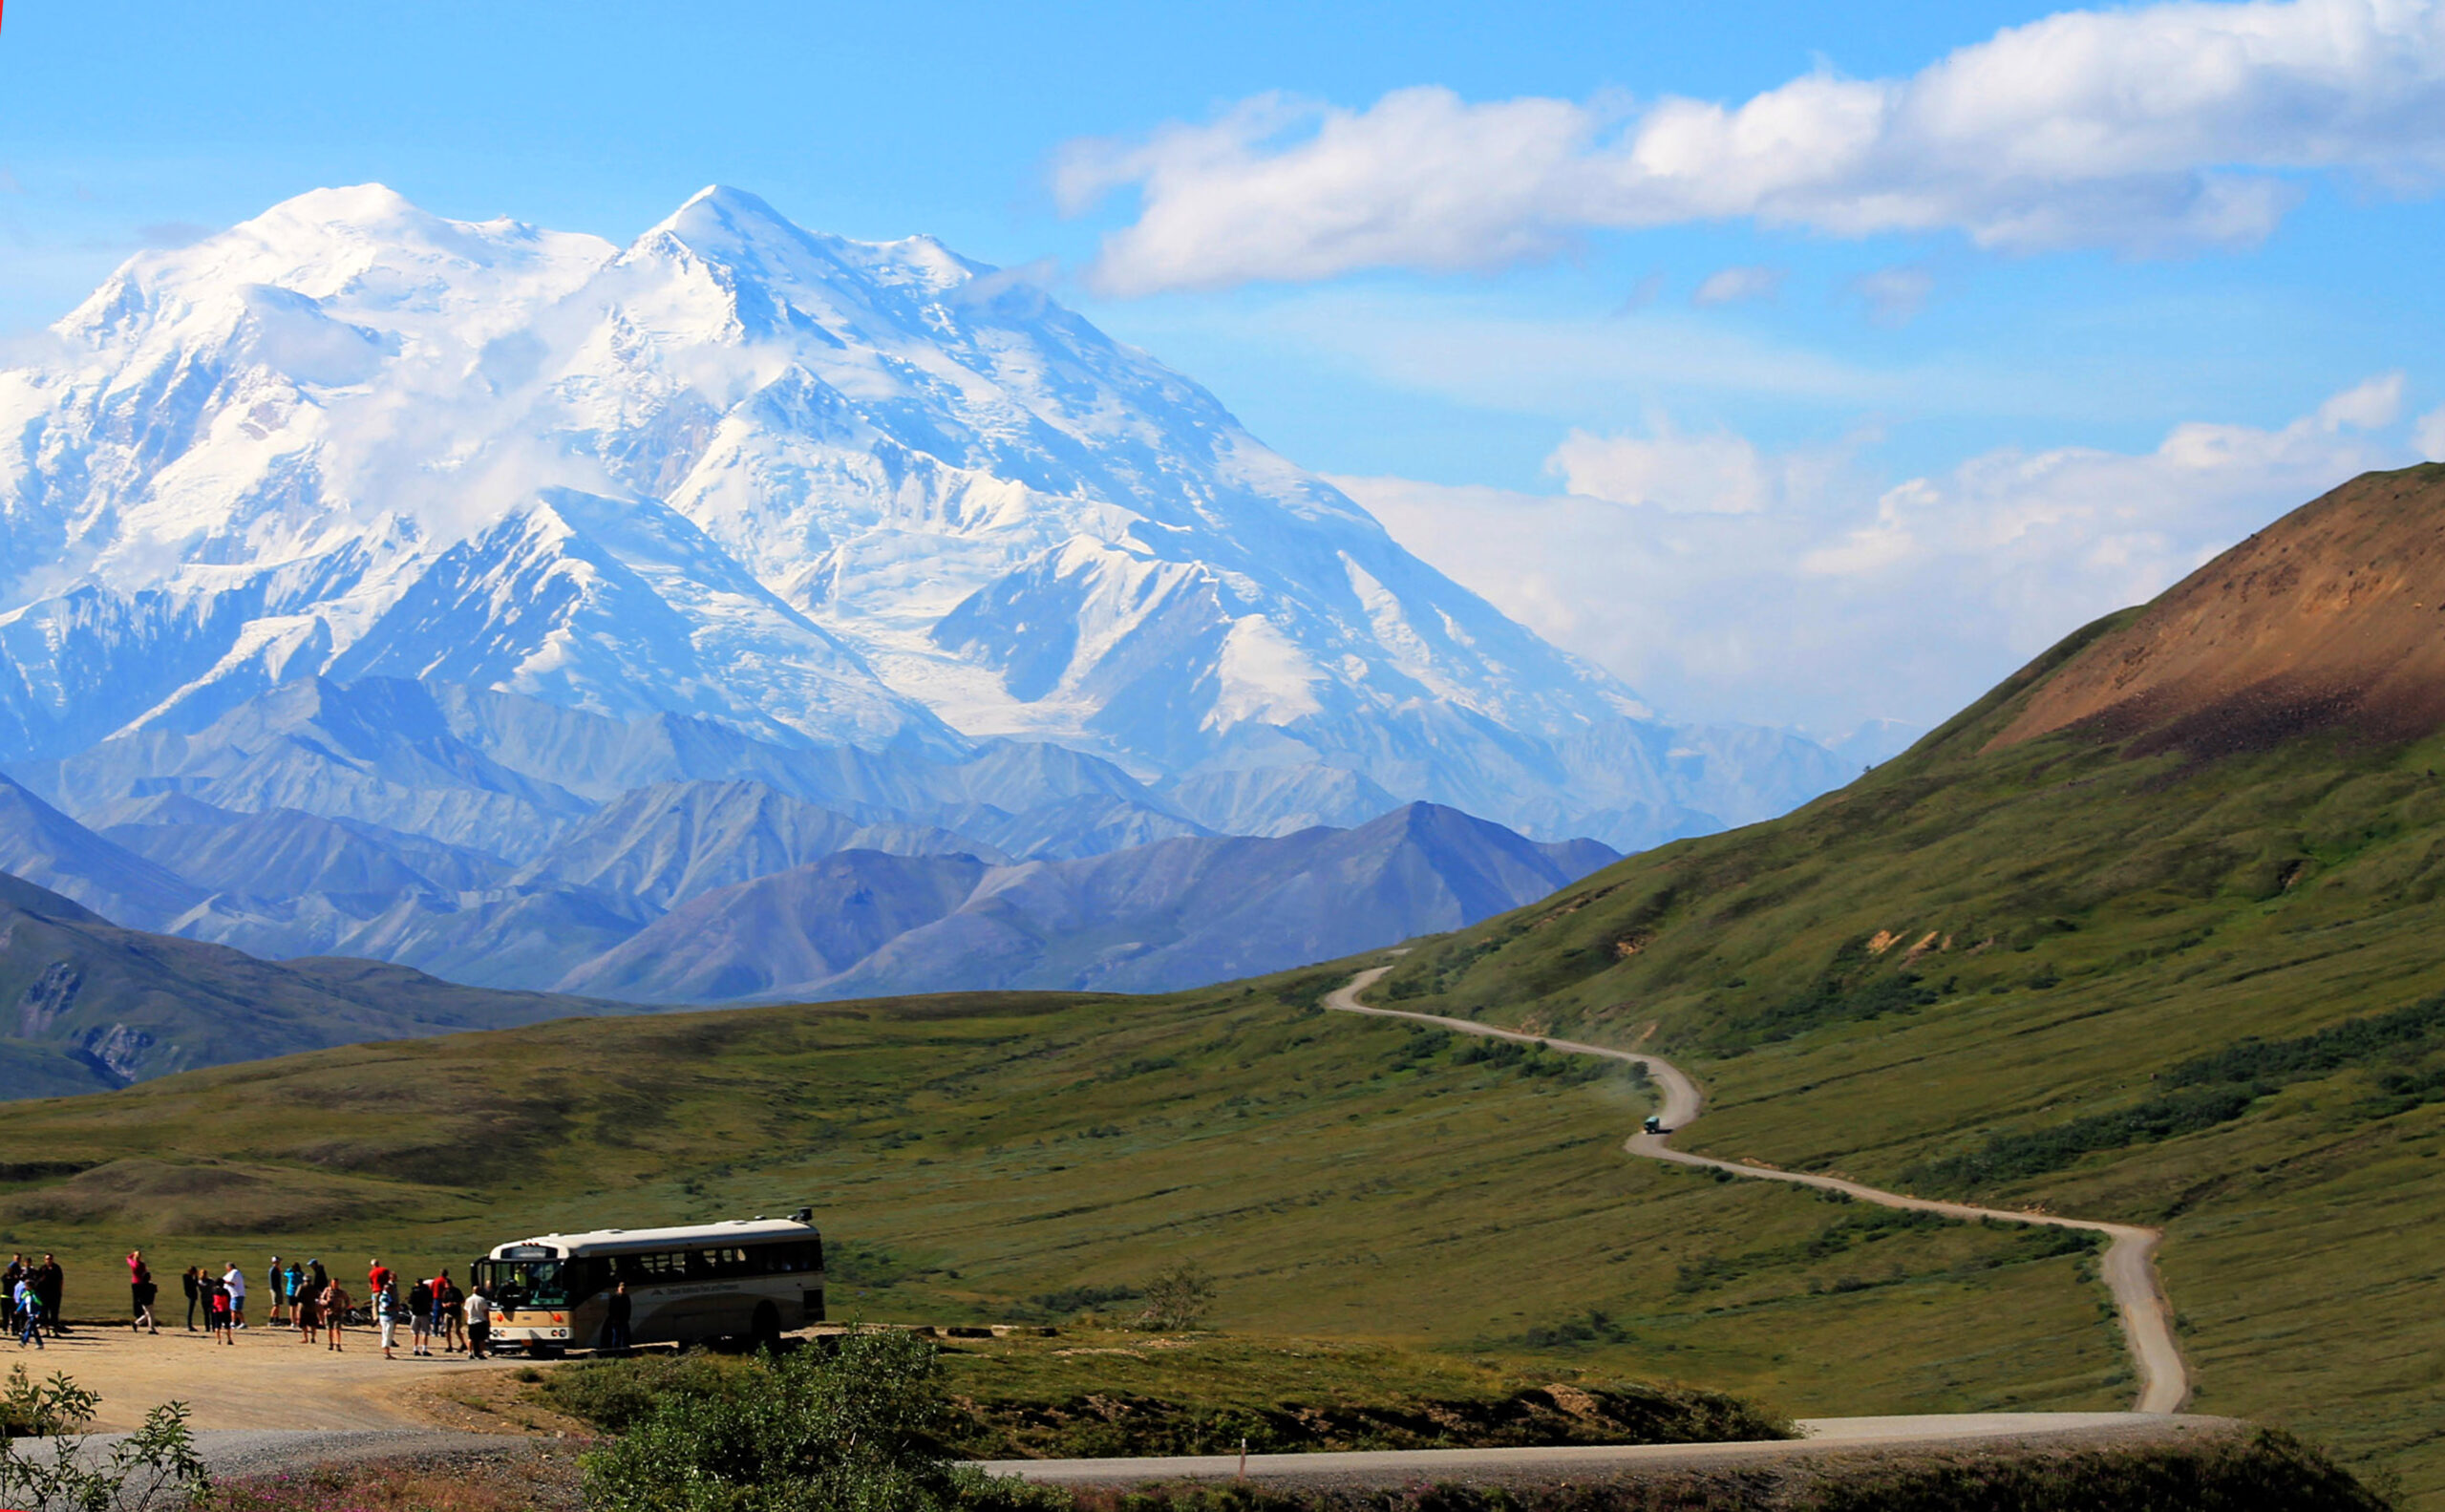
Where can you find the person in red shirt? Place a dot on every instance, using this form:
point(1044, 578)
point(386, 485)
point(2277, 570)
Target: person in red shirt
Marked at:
point(377, 1275)
point(139, 1286)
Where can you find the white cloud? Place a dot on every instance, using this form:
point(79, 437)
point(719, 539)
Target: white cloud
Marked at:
point(1723, 580)
point(1895, 295)
point(1727, 285)
point(1719, 472)
point(2148, 130)
point(2370, 406)
point(2428, 434)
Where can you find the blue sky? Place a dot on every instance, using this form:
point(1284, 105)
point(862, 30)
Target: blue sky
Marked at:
point(1905, 450)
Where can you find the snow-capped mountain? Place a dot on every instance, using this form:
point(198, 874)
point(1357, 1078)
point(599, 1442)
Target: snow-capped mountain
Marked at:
point(817, 491)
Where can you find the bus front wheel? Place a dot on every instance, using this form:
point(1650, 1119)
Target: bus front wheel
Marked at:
point(765, 1331)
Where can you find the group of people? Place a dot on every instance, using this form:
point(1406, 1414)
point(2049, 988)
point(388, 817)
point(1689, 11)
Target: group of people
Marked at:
point(309, 1299)
point(29, 1296)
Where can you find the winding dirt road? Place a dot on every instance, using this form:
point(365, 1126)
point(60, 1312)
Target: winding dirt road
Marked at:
point(2129, 1269)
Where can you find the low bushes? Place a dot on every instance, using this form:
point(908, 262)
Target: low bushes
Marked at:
point(857, 1429)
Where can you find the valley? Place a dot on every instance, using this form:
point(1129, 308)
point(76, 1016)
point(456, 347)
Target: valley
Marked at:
point(1002, 1156)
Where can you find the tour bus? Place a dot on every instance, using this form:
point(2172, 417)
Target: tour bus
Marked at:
point(746, 1278)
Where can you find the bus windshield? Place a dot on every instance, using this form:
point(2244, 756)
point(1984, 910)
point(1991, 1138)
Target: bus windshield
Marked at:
point(530, 1283)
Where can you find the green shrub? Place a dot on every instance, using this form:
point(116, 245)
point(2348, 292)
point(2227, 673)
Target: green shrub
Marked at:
point(154, 1469)
point(615, 1395)
point(858, 1430)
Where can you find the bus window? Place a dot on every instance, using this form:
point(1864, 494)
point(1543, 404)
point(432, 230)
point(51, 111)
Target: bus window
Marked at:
point(529, 1283)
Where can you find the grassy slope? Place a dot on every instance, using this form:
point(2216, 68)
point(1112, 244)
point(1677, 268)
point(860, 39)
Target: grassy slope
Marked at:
point(1342, 1176)
point(2097, 919)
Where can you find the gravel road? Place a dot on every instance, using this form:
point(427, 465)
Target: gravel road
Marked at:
point(1825, 1439)
point(2129, 1269)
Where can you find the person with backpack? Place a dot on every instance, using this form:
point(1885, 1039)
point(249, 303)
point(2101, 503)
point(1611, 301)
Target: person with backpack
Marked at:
point(420, 1317)
point(293, 1284)
point(216, 1311)
point(309, 1316)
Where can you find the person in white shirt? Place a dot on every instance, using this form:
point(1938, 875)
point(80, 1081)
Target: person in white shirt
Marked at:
point(235, 1280)
point(480, 1323)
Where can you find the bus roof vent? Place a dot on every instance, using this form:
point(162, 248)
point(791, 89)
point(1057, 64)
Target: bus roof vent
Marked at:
point(804, 1215)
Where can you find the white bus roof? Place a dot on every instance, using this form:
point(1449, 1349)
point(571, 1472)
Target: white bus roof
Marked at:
point(613, 1241)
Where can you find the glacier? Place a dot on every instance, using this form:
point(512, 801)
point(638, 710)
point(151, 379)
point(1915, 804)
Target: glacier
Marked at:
point(821, 493)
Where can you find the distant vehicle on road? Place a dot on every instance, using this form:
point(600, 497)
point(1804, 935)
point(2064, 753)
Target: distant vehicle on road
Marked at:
point(1655, 1124)
point(746, 1279)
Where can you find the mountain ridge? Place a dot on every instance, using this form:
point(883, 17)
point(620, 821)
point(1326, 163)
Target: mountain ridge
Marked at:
point(812, 490)
point(1181, 912)
point(2327, 618)
point(98, 1005)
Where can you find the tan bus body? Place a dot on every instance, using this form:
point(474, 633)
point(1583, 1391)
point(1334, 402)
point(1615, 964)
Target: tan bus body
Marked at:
point(749, 1279)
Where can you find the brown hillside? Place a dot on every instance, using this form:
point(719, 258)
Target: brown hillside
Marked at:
point(2333, 617)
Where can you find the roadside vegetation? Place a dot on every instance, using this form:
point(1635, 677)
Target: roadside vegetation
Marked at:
point(1097, 1392)
point(47, 1463)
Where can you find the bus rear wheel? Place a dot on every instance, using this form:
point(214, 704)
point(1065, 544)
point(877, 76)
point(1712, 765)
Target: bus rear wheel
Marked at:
point(765, 1332)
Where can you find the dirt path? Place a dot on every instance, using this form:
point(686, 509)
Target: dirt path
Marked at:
point(2129, 1268)
point(265, 1380)
point(1824, 1440)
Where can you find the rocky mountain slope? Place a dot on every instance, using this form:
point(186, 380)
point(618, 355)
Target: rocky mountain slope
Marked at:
point(495, 839)
point(1178, 913)
point(2150, 932)
point(814, 492)
point(95, 1005)
point(2333, 619)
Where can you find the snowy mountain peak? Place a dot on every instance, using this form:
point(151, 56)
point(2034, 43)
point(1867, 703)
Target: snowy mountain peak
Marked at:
point(730, 226)
point(362, 253)
point(816, 489)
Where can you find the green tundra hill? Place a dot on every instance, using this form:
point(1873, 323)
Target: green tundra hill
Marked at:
point(2151, 932)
